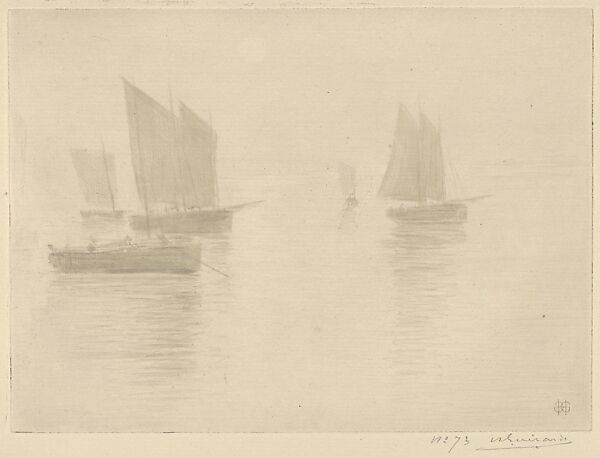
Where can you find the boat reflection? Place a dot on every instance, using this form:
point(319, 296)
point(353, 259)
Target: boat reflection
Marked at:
point(422, 258)
point(137, 339)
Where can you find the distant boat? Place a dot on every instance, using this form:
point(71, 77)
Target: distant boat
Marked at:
point(97, 178)
point(347, 175)
point(415, 174)
point(128, 257)
point(174, 162)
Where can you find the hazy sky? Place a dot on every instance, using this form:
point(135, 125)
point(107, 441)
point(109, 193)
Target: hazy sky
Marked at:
point(506, 84)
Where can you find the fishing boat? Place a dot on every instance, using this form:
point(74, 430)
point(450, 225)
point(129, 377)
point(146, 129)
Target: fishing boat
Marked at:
point(415, 175)
point(97, 178)
point(128, 257)
point(347, 175)
point(174, 163)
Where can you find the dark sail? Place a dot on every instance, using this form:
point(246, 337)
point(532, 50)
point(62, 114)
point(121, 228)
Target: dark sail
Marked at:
point(415, 171)
point(401, 179)
point(153, 149)
point(432, 165)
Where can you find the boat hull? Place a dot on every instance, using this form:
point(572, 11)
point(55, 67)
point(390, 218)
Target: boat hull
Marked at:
point(203, 221)
point(434, 213)
point(167, 259)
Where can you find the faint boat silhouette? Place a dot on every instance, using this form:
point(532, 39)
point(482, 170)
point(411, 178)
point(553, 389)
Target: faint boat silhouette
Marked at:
point(128, 257)
point(97, 177)
point(415, 174)
point(347, 175)
point(174, 161)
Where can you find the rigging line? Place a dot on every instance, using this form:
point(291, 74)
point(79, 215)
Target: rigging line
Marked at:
point(461, 186)
point(112, 196)
point(455, 176)
point(214, 268)
point(186, 160)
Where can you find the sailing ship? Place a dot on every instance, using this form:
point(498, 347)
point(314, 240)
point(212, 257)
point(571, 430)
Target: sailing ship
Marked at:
point(415, 174)
point(347, 175)
point(96, 173)
point(129, 257)
point(174, 163)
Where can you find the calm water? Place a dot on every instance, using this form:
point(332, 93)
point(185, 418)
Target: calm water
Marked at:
point(319, 326)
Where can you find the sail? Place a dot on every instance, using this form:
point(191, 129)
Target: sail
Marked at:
point(432, 165)
point(401, 179)
point(153, 149)
point(347, 179)
point(197, 143)
point(97, 176)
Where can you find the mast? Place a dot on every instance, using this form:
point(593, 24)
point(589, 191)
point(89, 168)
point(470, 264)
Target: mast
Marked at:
point(441, 157)
point(198, 141)
point(177, 154)
point(420, 178)
point(144, 188)
point(110, 189)
point(213, 147)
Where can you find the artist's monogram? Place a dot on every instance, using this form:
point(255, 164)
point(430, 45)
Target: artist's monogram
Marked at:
point(562, 407)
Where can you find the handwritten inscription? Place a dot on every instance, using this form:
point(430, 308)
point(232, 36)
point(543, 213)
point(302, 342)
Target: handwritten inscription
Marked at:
point(451, 441)
point(508, 441)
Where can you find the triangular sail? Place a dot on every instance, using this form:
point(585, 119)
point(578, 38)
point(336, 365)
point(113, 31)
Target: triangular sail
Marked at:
point(97, 176)
point(401, 179)
point(153, 149)
point(197, 142)
point(432, 166)
point(347, 179)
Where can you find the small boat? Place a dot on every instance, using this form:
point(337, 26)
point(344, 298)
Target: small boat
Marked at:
point(415, 174)
point(174, 163)
point(347, 175)
point(128, 257)
point(97, 178)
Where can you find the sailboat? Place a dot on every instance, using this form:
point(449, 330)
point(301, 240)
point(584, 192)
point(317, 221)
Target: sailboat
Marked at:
point(347, 175)
point(415, 175)
point(96, 173)
point(174, 163)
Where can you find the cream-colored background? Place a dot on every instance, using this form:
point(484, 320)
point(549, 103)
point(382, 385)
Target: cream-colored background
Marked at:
point(234, 445)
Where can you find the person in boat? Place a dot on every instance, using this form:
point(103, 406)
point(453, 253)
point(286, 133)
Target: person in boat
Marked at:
point(92, 245)
point(351, 201)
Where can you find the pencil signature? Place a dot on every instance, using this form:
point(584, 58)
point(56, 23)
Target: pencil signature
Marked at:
point(506, 441)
